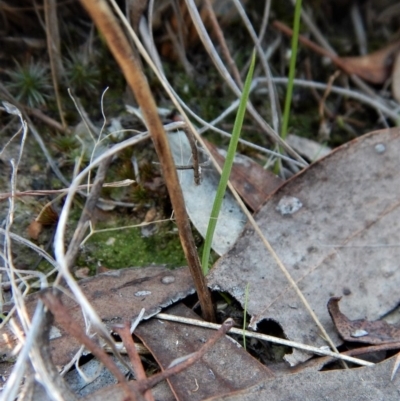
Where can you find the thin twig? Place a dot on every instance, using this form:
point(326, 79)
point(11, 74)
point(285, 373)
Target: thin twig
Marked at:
point(125, 333)
point(53, 50)
point(195, 155)
point(222, 43)
point(275, 340)
point(116, 184)
point(328, 89)
point(87, 212)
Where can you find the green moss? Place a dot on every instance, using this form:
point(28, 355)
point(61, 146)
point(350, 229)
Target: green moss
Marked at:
point(125, 248)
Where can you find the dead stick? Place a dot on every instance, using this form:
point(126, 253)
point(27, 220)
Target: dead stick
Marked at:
point(195, 155)
point(313, 46)
point(126, 337)
point(222, 42)
point(63, 318)
point(106, 22)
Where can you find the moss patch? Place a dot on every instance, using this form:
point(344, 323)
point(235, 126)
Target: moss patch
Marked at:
point(125, 248)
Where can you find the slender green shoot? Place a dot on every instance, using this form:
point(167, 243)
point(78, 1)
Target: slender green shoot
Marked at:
point(227, 168)
point(246, 297)
point(292, 69)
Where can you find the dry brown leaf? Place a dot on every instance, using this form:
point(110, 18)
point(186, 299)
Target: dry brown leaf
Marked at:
point(362, 330)
point(362, 384)
point(117, 295)
point(334, 226)
point(116, 393)
point(374, 67)
point(251, 181)
point(225, 368)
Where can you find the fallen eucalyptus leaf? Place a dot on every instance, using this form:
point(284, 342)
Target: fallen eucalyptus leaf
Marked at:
point(362, 330)
point(336, 235)
point(117, 296)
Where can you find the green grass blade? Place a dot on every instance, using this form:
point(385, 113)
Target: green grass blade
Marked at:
point(226, 171)
point(246, 298)
point(292, 69)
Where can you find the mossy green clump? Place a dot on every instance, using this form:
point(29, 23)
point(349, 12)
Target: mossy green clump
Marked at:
point(30, 83)
point(126, 248)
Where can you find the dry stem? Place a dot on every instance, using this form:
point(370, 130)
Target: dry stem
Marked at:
point(130, 66)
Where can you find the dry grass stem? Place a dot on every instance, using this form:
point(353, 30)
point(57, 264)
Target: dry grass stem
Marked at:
point(116, 184)
point(87, 212)
point(119, 46)
point(374, 102)
point(222, 43)
point(54, 51)
point(274, 104)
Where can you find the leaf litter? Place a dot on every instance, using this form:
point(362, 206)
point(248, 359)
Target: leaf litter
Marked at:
point(116, 295)
point(362, 330)
point(225, 368)
point(339, 242)
point(295, 205)
point(372, 383)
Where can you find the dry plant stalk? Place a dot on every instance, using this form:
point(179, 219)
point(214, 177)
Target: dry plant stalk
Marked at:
point(53, 49)
point(126, 337)
point(106, 22)
point(87, 212)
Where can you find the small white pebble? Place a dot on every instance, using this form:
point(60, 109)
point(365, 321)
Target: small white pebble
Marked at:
point(380, 148)
point(359, 333)
point(142, 293)
point(168, 279)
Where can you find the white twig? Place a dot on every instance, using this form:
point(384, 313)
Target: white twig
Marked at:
point(14, 381)
point(265, 337)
